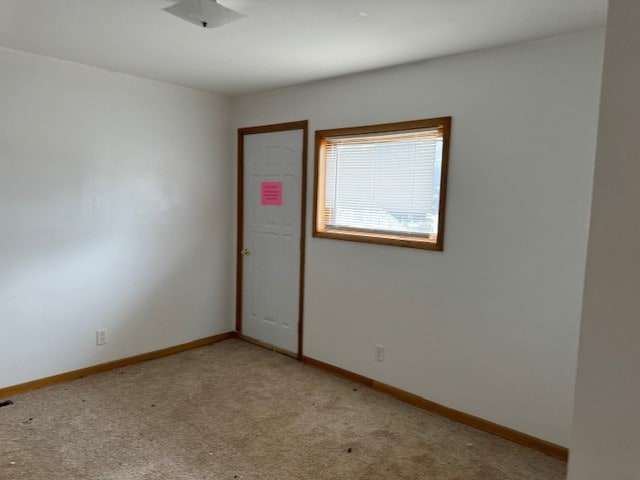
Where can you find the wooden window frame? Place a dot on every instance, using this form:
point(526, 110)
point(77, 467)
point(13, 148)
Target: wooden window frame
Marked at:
point(382, 238)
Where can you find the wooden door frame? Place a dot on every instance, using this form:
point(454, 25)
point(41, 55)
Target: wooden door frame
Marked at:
point(280, 127)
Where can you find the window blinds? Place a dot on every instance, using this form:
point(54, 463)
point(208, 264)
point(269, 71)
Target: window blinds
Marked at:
point(384, 182)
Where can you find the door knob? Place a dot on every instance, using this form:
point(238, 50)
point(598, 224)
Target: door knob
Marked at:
point(245, 252)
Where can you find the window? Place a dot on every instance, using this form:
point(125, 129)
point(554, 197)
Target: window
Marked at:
point(383, 183)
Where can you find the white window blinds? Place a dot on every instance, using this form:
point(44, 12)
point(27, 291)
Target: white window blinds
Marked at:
point(388, 182)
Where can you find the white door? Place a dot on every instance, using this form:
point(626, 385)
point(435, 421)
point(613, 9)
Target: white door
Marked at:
point(271, 237)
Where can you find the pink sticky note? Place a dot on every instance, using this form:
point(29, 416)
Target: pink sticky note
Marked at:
point(271, 193)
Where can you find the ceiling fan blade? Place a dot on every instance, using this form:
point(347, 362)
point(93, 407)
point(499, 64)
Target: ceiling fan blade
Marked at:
point(204, 13)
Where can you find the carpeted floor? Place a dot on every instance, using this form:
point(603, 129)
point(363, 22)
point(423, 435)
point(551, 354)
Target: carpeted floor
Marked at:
point(237, 411)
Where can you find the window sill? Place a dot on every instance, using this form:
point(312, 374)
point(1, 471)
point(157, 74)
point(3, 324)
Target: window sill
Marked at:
point(427, 243)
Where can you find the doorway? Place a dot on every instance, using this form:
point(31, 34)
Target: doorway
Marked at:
point(272, 171)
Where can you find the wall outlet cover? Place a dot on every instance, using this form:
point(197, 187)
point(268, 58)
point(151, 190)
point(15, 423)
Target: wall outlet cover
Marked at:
point(101, 336)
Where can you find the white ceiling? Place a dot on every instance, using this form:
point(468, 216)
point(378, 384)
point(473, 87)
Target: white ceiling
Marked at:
point(282, 42)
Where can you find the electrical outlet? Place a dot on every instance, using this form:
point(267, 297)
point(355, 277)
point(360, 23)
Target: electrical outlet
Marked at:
point(101, 336)
point(379, 353)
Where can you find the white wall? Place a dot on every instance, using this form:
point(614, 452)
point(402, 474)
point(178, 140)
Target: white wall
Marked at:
point(115, 205)
point(606, 434)
point(490, 326)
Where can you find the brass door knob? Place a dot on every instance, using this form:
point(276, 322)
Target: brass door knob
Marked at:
point(245, 252)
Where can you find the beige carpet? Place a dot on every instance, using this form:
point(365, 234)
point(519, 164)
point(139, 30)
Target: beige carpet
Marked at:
point(237, 411)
